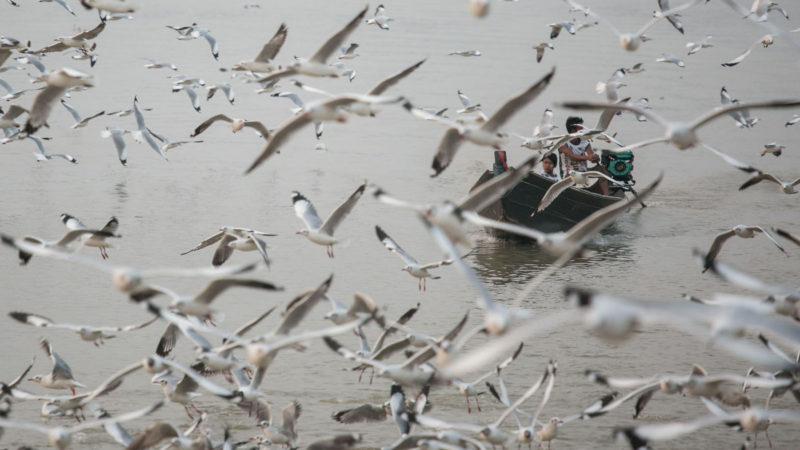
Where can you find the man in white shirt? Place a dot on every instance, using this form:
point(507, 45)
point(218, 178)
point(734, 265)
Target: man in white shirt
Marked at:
point(578, 152)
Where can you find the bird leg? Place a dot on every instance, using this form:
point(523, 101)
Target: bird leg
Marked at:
point(424, 284)
point(72, 389)
point(769, 441)
point(362, 373)
point(196, 410)
point(477, 402)
point(469, 410)
point(419, 284)
point(548, 444)
point(186, 408)
point(371, 375)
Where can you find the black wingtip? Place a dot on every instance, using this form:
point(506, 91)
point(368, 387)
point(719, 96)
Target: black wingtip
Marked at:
point(333, 344)
point(582, 297)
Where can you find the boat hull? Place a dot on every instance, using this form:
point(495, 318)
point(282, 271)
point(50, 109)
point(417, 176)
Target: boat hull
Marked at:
point(569, 208)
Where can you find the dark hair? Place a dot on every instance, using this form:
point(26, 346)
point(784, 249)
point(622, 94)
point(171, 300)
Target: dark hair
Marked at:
point(571, 121)
point(552, 157)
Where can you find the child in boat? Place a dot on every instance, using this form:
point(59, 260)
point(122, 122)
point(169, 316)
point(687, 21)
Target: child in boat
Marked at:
point(549, 166)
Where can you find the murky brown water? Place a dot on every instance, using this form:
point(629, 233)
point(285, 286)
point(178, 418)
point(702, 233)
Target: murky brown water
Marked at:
point(166, 208)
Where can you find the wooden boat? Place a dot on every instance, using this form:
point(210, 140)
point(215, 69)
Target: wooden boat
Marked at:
point(567, 209)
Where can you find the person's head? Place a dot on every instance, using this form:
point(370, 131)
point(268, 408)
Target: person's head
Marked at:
point(573, 123)
point(549, 163)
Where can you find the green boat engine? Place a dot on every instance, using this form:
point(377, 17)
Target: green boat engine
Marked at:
point(619, 165)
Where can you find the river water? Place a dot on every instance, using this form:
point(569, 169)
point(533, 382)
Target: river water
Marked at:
point(165, 208)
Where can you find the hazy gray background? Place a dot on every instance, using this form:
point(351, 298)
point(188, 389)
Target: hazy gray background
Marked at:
point(165, 208)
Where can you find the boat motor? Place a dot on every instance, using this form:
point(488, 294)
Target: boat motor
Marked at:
point(619, 165)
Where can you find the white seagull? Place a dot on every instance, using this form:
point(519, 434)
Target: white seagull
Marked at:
point(117, 134)
point(695, 47)
point(414, 268)
point(57, 84)
point(194, 31)
point(785, 187)
point(316, 65)
point(79, 121)
point(93, 240)
point(742, 231)
point(234, 238)
point(236, 125)
point(380, 18)
point(88, 333)
point(575, 178)
point(316, 230)
point(79, 40)
point(540, 50)
point(41, 155)
point(60, 377)
point(261, 63)
point(143, 132)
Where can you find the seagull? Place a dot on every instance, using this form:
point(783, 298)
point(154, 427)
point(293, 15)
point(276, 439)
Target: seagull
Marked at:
point(167, 145)
point(234, 238)
point(471, 389)
point(667, 58)
point(153, 64)
point(765, 42)
point(110, 6)
point(742, 231)
point(236, 125)
point(773, 148)
point(61, 437)
point(105, 16)
point(194, 31)
point(540, 50)
point(79, 122)
point(795, 118)
point(413, 268)
point(663, 5)
point(361, 108)
point(125, 112)
point(224, 87)
point(340, 314)
point(41, 155)
point(80, 40)
point(348, 52)
point(57, 83)
point(261, 63)
point(316, 230)
point(60, 377)
point(631, 41)
point(380, 18)
point(487, 134)
point(318, 126)
point(117, 134)
point(316, 65)
point(12, 94)
point(142, 131)
point(83, 53)
point(468, 105)
point(193, 97)
point(198, 305)
point(785, 187)
point(60, 246)
point(742, 117)
point(7, 44)
point(542, 130)
point(555, 28)
point(93, 240)
point(286, 434)
point(125, 279)
point(8, 119)
point(465, 53)
point(609, 88)
point(88, 333)
point(682, 135)
point(695, 47)
point(328, 109)
point(63, 4)
point(575, 178)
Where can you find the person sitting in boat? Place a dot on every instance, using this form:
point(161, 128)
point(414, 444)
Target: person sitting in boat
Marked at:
point(549, 166)
point(578, 152)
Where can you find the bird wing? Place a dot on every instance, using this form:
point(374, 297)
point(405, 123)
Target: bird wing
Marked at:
point(336, 217)
point(368, 412)
point(57, 47)
point(216, 287)
point(447, 149)
point(304, 209)
point(516, 103)
point(768, 236)
point(223, 251)
point(60, 367)
point(42, 106)
point(464, 99)
point(72, 111)
point(119, 144)
point(759, 178)
point(291, 413)
point(599, 219)
point(261, 246)
point(394, 79)
point(207, 123)
point(207, 241)
point(787, 235)
point(276, 75)
point(392, 246)
point(716, 246)
point(31, 319)
point(731, 160)
point(487, 193)
point(271, 48)
point(211, 41)
point(168, 339)
point(335, 41)
point(152, 435)
point(554, 191)
point(258, 126)
point(278, 137)
point(91, 34)
point(613, 107)
point(195, 99)
point(298, 308)
point(721, 110)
